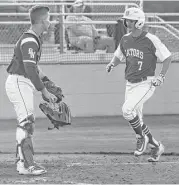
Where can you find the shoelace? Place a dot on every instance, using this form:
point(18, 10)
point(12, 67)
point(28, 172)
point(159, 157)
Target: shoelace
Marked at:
point(32, 168)
point(39, 166)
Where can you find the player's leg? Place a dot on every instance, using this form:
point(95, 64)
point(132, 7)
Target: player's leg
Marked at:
point(145, 128)
point(136, 95)
point(157, 148)
point(20, 93)
point(25, 151)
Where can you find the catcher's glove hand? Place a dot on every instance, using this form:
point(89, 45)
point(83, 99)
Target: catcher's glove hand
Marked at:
point(52, 88)
point(159, 80)
point(59, 114)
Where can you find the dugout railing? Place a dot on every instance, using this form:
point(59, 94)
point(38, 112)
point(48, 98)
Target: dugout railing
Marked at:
point(55, 52)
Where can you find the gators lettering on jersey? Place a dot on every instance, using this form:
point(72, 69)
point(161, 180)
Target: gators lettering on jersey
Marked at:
point(140, 54)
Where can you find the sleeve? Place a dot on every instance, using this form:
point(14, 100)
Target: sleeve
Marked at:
point(161, 50)
point(119, 54)
point(29, 49)
point(32, 73)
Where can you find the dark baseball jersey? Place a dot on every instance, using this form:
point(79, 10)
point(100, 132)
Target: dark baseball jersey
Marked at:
point(141, 54)
point(27, 53)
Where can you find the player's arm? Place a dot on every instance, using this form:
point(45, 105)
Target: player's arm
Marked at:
point(166, 64)
point(42, 76)
point(117, 59)
point(164, 55)
point(29, 49)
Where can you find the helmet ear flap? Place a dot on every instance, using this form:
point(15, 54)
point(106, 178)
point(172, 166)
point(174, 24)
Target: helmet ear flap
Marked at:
point(124, 22)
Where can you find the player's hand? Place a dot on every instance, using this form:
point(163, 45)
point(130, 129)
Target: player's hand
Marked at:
point(109, 67)
point(159, 80)
point(48, 96)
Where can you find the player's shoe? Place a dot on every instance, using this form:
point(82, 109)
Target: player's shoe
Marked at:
point(156, 153)
point(32, 170)
point(39, 165)
point(141, 145)
point(21, 164)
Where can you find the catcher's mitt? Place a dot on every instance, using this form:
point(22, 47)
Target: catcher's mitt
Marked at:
point(52, 88)
point(59, 114)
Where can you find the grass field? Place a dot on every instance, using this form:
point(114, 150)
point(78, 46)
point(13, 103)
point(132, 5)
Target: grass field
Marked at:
point(96, 150)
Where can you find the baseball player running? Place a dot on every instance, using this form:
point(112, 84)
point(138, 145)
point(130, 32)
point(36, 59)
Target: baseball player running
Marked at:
point(24, 77)
point(140, 50)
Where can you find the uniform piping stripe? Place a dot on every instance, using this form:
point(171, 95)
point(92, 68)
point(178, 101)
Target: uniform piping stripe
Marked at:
point(29, 39)
point(142, 97)
point(21, 96)
point(31, 61)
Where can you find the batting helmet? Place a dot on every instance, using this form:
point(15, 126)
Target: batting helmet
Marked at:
point(134, 14)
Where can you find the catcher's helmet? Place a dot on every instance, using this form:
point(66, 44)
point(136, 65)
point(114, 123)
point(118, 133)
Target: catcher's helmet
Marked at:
point(134, 14)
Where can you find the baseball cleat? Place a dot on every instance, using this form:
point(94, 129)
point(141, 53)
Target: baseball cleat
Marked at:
point(32, 170)
point(141, 145)
point(156, 153)
point(39, 165)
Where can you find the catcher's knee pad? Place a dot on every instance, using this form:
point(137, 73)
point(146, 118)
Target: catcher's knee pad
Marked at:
point(128, 112)
point(24, 133)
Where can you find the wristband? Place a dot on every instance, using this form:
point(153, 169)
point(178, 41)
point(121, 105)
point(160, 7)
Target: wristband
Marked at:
point(162, 75)
point(45, 79)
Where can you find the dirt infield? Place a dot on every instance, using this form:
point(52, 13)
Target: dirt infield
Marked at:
point(94, 169)
point(94, 151)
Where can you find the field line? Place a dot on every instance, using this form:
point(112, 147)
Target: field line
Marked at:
point(125, 163)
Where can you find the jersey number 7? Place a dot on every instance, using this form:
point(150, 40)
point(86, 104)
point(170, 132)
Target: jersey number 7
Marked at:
point(140, 65)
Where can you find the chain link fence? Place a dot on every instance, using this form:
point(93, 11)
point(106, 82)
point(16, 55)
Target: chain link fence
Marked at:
point(57, 46)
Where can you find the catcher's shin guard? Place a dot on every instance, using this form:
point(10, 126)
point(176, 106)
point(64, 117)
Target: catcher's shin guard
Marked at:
point(24, 132)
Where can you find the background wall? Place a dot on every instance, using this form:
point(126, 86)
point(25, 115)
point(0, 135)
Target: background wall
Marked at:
point(90, 91)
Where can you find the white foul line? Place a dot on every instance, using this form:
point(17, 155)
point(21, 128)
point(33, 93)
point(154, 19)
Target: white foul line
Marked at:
point(139, 163)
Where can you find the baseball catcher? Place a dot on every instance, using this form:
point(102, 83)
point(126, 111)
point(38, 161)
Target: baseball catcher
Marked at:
point(58, 113)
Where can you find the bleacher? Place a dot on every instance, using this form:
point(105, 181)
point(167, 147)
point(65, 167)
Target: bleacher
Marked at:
point(9, 34)
point(169, 40)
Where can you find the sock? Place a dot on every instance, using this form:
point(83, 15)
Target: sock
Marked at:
point(147, 132)
point(135, 123)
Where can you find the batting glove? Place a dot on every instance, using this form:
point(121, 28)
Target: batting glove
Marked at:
point(109, 67)
point(159, 80)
